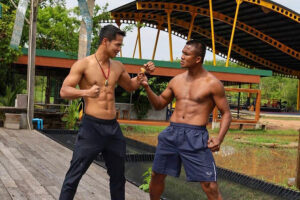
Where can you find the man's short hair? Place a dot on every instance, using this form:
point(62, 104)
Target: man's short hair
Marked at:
point(110, 32)
point(200, 48)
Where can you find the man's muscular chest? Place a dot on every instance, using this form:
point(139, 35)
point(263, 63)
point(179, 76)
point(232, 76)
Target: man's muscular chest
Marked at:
point(197, 91)
point(94, 75)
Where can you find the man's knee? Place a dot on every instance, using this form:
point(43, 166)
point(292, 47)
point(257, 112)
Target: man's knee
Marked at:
point(158, 178)
point(210, 188)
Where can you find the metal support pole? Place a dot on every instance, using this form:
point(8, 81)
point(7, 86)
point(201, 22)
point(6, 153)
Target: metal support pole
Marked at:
point(298, 96)
point(238, 2)
point(191, 26)
point(155, 45)
point(239, 99)
point(212, 31)
point(31, 63)
point(139, 38)
point(119, 25)
point(298, 164)
point(170, 32)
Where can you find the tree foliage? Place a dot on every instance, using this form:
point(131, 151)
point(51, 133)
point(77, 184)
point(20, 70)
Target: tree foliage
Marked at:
point(141, 102)
point(7, 54)
point(71, 115)
point(57, 29)
point(221, 63)
point(280, 88)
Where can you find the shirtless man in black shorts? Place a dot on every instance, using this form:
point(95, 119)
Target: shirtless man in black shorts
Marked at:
point(97, 76)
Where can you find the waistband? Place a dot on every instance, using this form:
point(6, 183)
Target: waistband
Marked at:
point(98, 120)
point(187, 126)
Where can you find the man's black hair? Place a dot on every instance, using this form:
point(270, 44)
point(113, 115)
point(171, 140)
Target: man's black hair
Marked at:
point(200, 48)
point(110, 32)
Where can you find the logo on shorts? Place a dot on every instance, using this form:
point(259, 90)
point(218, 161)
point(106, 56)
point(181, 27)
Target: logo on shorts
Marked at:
point(209, 173)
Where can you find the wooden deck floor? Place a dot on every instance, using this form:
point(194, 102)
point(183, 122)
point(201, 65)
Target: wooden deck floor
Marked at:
point(33, 167)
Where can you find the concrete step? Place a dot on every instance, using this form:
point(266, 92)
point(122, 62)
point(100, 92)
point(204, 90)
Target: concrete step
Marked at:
point(15, 121)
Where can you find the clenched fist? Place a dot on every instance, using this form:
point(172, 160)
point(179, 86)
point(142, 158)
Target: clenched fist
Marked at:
point(149, 67)
point(93, 91)
point(214, 144)
point(142, 79)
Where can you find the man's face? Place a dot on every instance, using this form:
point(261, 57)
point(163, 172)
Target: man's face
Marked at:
point(113, 47)
point(188, 58)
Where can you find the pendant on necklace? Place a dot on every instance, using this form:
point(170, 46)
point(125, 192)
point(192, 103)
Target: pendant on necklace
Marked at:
point(106, 83)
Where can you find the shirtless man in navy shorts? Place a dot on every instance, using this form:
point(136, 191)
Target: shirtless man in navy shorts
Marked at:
point(186, 140)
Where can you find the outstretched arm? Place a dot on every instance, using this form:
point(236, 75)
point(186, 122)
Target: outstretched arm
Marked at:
point(222, 104)
point(69, 90)
point(132, 84)
point(161, 101)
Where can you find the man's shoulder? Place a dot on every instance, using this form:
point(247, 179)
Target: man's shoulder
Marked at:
point(83, 62)
point(176, 78)
point(117, 64)
point(180, 76)
point(212, 79)
point(214, 83)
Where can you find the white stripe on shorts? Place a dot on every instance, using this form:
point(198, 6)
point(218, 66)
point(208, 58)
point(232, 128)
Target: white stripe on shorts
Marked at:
point(215, 171)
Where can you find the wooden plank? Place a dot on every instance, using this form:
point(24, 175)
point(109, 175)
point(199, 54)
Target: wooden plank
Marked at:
point(6, 179)
point(10, 185)
point(4, 193)
point(27, 176)
point(16, 194)
point(36, 166)
point(53, 190)
point(11, 171)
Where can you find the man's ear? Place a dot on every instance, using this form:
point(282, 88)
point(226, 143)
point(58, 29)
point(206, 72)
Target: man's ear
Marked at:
point(104, 41)
point(198, 59)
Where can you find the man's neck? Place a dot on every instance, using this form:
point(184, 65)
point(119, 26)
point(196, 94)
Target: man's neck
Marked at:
point(102, 56)
point(196, 70)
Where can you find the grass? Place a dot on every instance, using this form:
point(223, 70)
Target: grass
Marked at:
point(260, 132)
point(157, 129)
point(281, 118)
point(260, 140)
point(247, 156)
point(141, 129)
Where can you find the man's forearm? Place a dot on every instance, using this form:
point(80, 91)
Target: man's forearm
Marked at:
point(225, 123)
point(68, 92)
point(134, 84)
point(153, 98)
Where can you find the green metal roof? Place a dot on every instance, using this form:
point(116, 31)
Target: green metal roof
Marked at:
point(159, 63)
point(235, 70)
point(52, 54)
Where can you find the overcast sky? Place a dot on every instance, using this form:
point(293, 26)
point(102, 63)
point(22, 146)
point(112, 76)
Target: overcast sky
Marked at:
point(148, 34)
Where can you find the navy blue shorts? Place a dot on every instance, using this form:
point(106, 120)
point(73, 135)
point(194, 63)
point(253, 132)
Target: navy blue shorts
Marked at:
point(187, 144)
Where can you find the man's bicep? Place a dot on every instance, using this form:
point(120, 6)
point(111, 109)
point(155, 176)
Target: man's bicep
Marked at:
point(220, 98)
point(166, 96)
point(74, 76)
point(124, 79)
